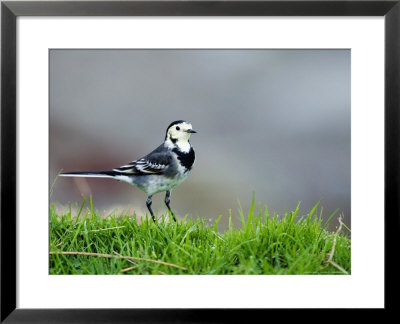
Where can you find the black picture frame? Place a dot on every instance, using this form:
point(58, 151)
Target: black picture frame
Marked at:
point(10, 10)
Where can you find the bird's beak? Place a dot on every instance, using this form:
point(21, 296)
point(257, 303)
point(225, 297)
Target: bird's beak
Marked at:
point(191, 131)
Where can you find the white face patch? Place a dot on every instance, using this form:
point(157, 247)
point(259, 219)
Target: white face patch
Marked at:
point(179, 131)
point(178, 135)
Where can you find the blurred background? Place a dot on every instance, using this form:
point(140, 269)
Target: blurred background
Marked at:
point(273, 122)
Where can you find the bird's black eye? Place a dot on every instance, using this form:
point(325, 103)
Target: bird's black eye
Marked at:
point(178, 128)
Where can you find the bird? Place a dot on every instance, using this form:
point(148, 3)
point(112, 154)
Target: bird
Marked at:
point(161, 170)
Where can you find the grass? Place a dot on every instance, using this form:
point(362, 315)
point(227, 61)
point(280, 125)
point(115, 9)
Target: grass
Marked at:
point(90, 243)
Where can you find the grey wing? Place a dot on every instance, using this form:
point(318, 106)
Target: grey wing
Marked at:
point(154, 163)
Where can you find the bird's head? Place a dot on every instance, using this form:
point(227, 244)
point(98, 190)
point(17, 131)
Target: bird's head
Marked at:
point(179, 131)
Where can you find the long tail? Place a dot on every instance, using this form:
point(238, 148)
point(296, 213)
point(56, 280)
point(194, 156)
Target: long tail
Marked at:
point(91, 174)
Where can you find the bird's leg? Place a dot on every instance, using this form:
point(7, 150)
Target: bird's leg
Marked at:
point(167, 200)
point(148, 204)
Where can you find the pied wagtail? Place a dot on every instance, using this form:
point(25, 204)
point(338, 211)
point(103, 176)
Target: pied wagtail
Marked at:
point(161, 170)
